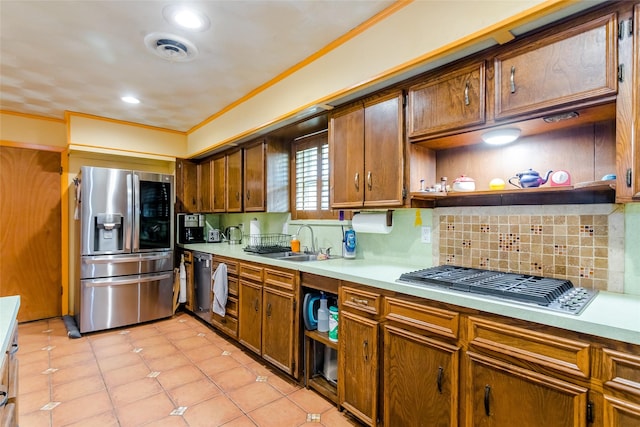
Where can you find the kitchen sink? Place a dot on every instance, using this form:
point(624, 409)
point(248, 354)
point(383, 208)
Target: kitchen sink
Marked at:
point(294, 256)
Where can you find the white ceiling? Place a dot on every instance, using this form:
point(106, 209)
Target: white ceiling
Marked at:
point(82, 56)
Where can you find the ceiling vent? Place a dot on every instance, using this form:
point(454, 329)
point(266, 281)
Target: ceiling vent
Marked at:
point(171, 47)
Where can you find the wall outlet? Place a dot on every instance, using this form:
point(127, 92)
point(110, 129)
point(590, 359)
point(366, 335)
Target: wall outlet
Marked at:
point(425, 236)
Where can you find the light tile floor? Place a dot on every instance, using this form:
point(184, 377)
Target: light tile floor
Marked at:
point(174, 372)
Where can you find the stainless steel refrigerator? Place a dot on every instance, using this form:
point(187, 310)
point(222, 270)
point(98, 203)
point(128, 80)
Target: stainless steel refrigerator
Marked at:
point(125, 247)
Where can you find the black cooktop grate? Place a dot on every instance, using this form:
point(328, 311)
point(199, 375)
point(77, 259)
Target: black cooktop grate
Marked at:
point(518, 287)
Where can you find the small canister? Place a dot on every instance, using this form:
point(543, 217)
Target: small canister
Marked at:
point(333, 323)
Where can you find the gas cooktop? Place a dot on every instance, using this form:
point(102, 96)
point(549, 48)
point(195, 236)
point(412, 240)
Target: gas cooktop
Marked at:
point(554, 294)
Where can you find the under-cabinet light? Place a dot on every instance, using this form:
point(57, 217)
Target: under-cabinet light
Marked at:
point(500, 136)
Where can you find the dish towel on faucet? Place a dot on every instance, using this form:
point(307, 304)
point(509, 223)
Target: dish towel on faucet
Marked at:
point(220, 289)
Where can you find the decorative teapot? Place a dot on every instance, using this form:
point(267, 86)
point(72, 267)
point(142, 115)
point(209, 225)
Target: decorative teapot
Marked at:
point(529, 179)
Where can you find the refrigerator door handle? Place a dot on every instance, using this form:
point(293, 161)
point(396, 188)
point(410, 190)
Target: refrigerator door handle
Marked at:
point(128, 281)
point(136, 211)
point(108, 259)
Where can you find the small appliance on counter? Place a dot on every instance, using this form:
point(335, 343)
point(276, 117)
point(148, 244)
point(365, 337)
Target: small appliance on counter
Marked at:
point(214, 235)
point(191, 228)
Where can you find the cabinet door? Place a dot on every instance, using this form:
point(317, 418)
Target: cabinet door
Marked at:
point(278, 344)
point(501, 394)
point(250, 315)
point(219, 184)
point(452, 101)
point(383, 152)
point(628, 112)
point(234, 181)
point(187, 186)
point(575, 65)
point(420, 380)
point(346, 151)
point(205, 194)
point(358, 366)
point(254, 178)
point(620, 413)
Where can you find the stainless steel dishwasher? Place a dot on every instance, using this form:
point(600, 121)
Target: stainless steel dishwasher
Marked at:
point(202, 284)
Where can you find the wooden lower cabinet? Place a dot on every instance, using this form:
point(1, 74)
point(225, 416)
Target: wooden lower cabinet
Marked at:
point(250, 315)
point(620, 374)
point(501, 394)
point(358, 382)
point(420, 380)
point(268, 314)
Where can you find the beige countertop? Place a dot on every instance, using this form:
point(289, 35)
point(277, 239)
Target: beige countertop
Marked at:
point(609, 315)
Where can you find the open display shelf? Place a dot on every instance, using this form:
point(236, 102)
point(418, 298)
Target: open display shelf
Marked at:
point(583, 193)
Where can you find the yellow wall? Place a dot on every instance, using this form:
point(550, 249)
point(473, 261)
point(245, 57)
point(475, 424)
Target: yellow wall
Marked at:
point(91, 133)
point(32, 131)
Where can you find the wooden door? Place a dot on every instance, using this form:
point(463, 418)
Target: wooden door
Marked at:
point(234, 181)
point(501, 394)
point(254, 178)
point(383, 152)
point(250, 315)
point(30, 231)
point(346, 151)
point(358, 366)
point(205, 191)
point(575, 65)
point(219, 166)
point(278, 329)
point(452, 100)
point(420, 380)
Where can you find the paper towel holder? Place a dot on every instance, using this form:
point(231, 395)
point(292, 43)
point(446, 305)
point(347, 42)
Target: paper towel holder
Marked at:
point(389, 216)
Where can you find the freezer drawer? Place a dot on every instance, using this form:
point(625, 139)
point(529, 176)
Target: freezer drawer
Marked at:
point(122, 265)
point(125, 300)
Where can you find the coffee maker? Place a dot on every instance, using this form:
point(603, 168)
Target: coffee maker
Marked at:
point(191, 228)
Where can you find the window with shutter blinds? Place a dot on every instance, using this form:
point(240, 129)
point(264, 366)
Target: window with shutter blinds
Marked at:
point(311, 178)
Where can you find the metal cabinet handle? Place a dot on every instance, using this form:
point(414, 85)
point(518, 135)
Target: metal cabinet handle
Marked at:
point(360, 301)
point(466, 93)
point(487, 392)
point(237, 195)
point(356, 181)
point(269, 310)
point(256, 306)
point(439, 380)
point(369, 180)
point(365, 350)
point(248, 194)
point(14, 349)
point(512, 79)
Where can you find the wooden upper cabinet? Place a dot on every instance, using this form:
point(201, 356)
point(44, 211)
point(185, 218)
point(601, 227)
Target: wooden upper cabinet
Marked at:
point(187, 188)
point(234, 181)
point(346, 152)
point(366, 154)
point(205, 191)
point(254, 177)
point(219, 178)
point(628, 110)
point(577, 65)
point(450, 101)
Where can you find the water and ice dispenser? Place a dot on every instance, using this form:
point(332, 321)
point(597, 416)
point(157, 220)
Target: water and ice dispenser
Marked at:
point(108, 232)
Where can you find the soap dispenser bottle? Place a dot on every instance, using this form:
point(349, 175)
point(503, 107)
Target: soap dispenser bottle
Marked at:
point(295, 244)
point(323, 315)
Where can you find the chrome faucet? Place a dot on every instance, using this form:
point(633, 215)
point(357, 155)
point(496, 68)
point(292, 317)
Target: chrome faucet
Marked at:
point(313, 245)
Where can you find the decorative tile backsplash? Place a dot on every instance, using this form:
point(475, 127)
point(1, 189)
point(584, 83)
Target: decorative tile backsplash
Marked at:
point(575, 242)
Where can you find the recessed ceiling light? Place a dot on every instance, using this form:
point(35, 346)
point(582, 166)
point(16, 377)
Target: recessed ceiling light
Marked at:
point(500, 136)
point(185, 17)
point(130, 100)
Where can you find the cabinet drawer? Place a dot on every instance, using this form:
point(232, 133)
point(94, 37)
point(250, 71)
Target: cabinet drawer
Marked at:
point(621, 371)
point(232, 284)
point(251, 272)
point(281, 278)
point(231, 308)
point(435, 320)
point(228, 324)
point(232, 265)
point(360, 300)
point(561, 354)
